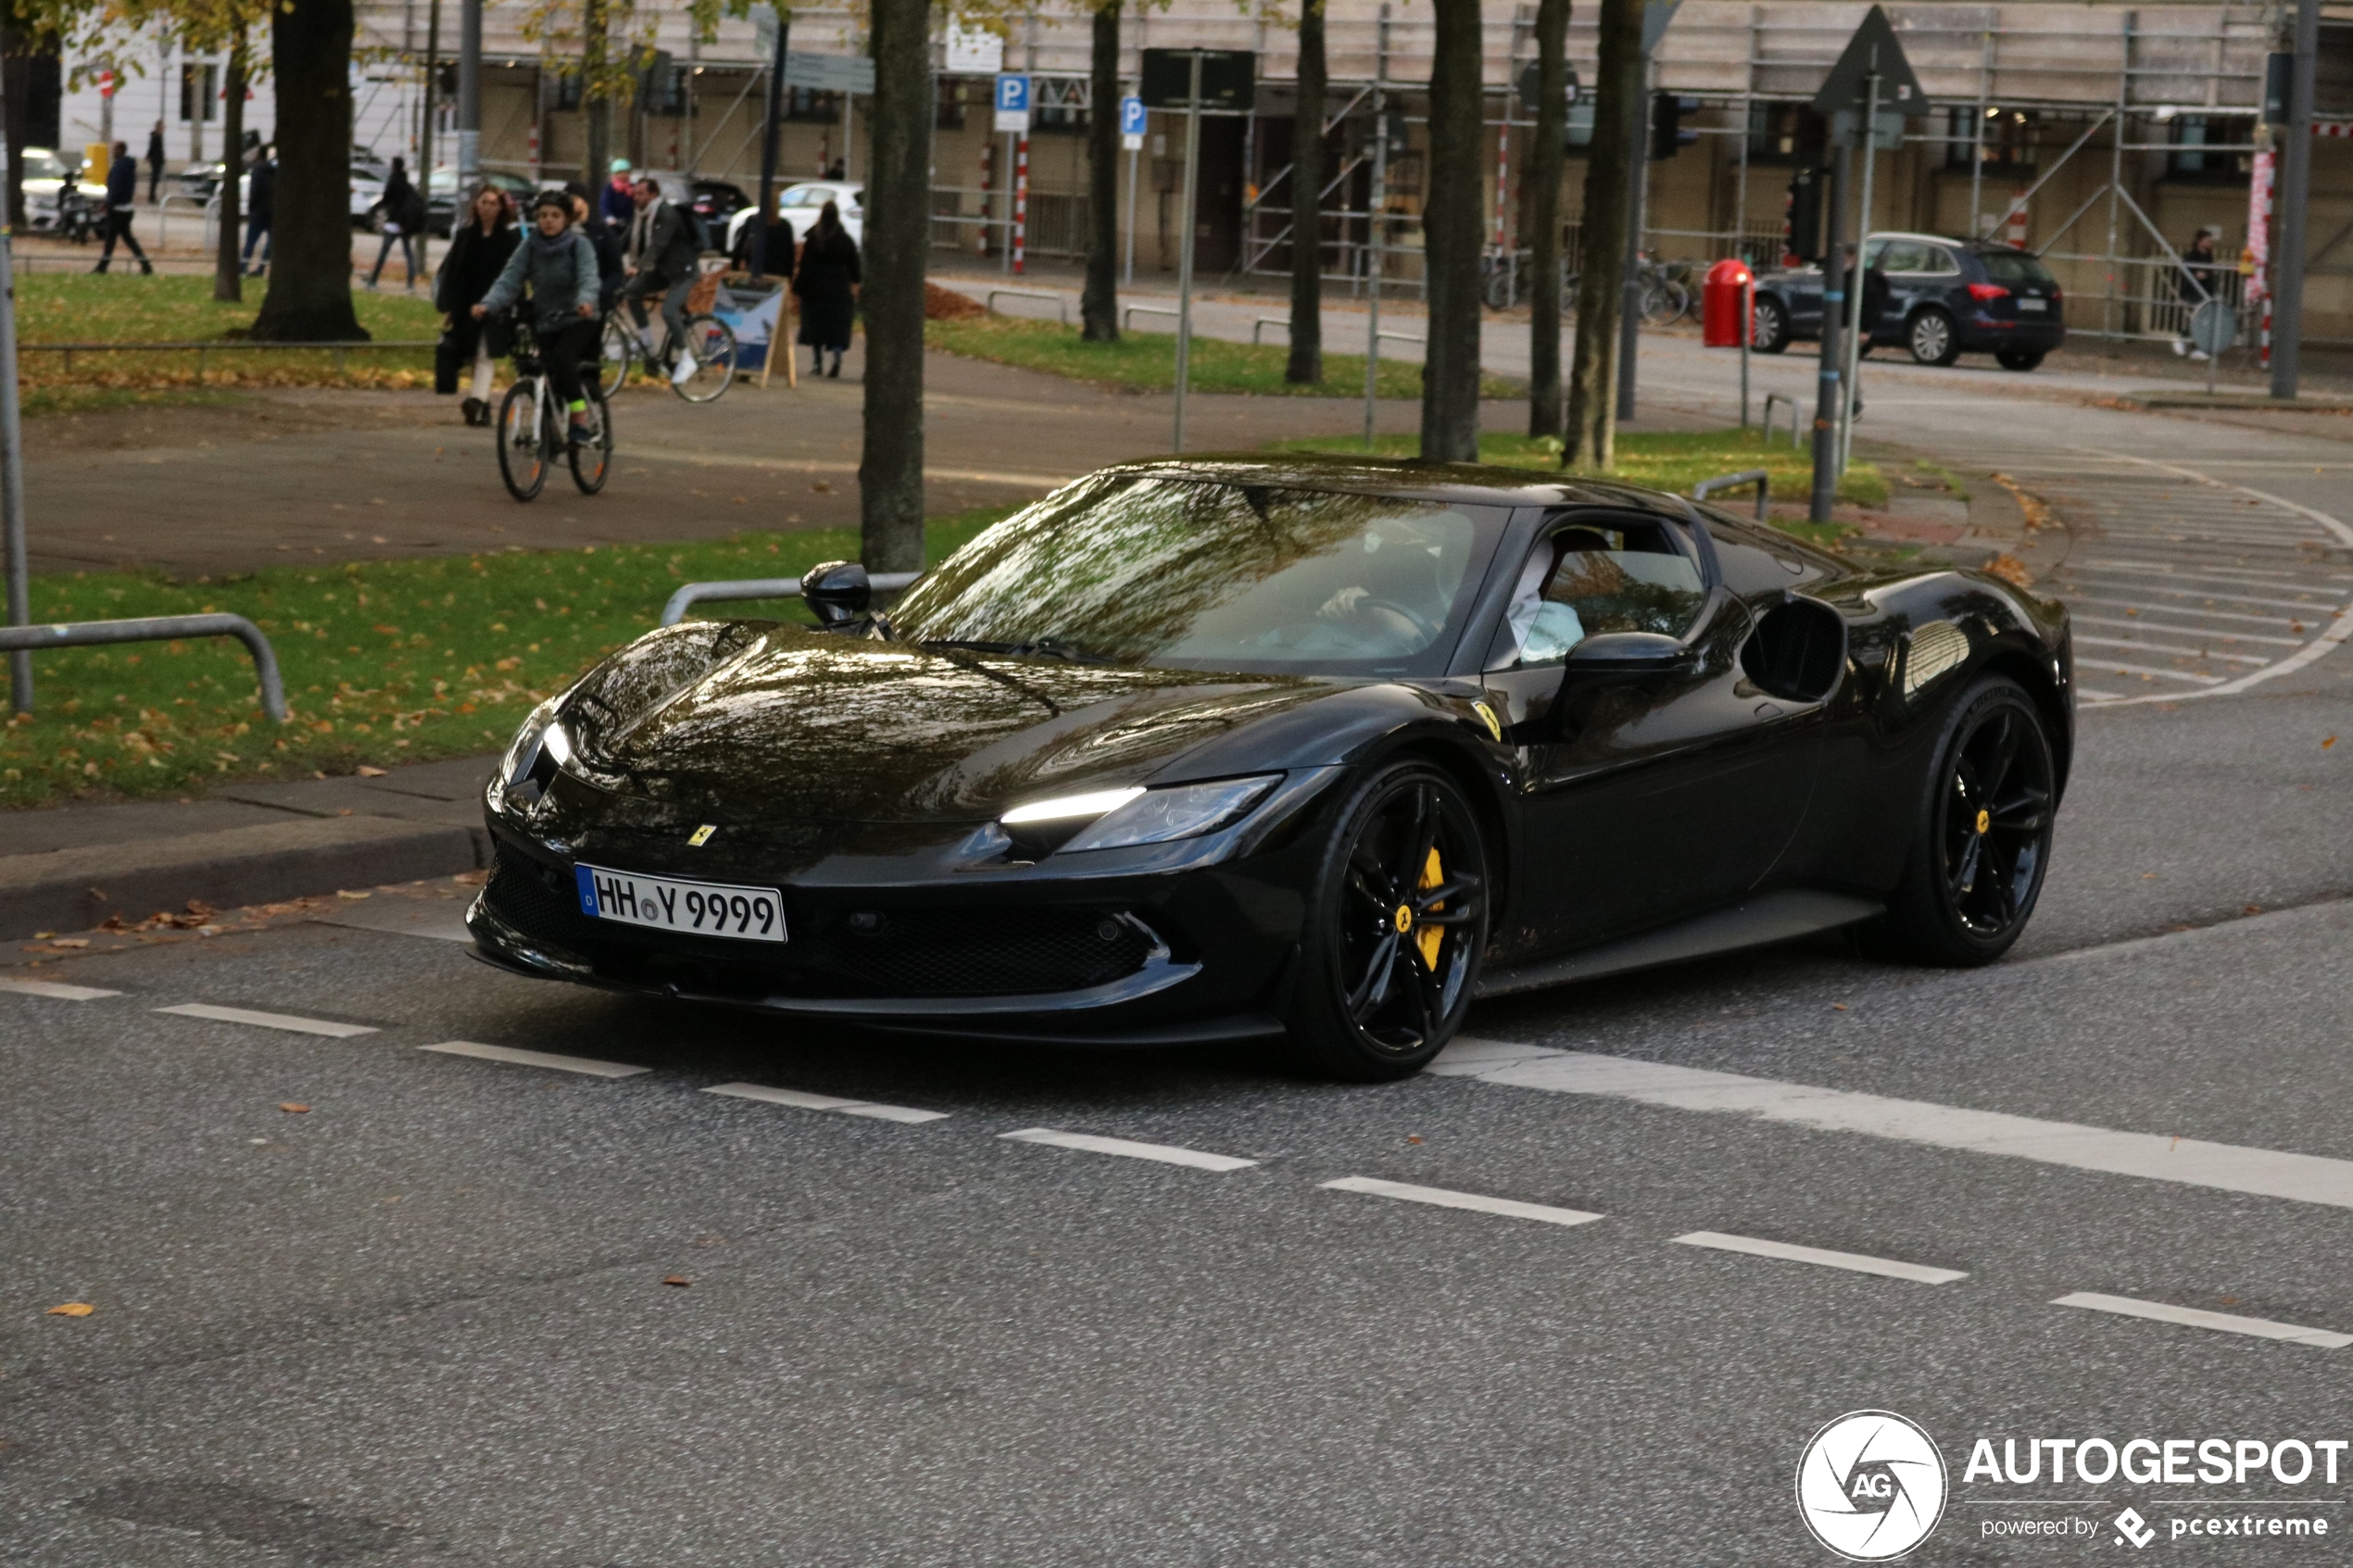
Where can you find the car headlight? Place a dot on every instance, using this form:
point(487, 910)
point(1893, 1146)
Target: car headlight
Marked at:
point(538, 747)
point(1113, 819)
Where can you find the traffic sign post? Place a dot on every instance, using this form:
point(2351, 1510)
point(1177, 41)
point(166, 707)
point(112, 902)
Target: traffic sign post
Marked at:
point(1012, 123)
point(1131, 136)
point(1193, 80)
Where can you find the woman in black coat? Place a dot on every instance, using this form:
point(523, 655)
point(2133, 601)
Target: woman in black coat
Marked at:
point(826, 285)
point(404, 223)
point(778, 260)
point(478, 253)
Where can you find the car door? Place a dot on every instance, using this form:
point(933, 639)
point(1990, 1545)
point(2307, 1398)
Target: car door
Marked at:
point(1904, 263)
point(1645, 796)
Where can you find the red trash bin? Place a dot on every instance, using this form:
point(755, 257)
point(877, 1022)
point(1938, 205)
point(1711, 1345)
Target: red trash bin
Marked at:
point(1728, 306)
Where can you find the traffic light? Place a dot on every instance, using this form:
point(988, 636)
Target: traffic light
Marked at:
point(1668, 136)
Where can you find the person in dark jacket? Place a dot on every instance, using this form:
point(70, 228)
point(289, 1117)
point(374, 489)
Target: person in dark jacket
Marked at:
point(826, 285)
point(479, 252)
point(664, 252)
point(404, 222)
point(122, 196)
point(619, 204)
point(559, 264)
point(261, 188)
point(613, 266)
point(777, 262)
point(154, 162)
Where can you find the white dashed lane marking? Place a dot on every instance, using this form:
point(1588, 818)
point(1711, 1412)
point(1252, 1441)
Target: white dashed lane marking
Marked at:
point(1478, 1203)
point(2305, 1178)
point(587, 1065)
point(804, 1101)
point(1856, 1262)
point(1167, 1154)
point(55, 990)
point(2193, 1317)
point(286, 1021)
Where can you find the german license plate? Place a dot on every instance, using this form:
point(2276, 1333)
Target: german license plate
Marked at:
point(2037, 305)
point(699, 909)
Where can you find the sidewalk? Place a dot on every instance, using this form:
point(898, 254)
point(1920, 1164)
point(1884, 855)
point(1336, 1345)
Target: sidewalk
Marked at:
point(74, 867)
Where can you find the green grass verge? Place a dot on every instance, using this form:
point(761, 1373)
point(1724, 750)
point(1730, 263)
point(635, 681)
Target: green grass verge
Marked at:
point(126, 307)
point(1665, 460)
point(1146, 361)
point(384, 662)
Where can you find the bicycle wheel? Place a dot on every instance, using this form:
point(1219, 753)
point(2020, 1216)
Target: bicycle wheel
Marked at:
point(523, 450)
point(1496, 289)
point(591, 464)
point(711, 342)
point(615, 350)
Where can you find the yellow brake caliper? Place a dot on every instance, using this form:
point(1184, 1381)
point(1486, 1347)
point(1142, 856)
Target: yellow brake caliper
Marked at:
point(1431, 936)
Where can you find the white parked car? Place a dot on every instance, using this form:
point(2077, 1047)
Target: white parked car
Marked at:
point(44, 175)
point(798, 205)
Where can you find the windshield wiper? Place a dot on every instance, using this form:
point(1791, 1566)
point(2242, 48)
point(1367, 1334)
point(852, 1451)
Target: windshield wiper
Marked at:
point(1051, 648)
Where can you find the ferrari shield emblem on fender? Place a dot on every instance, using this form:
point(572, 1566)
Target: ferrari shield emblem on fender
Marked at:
point(1487, 717)
point(701, 835)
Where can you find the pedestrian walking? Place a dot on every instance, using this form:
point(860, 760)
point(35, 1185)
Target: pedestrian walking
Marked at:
point(2194, 283)
point(663, 256)
point(826, 284)
point(404, 222)
point(154, 162)
point(561, 266)
point(479, 252)
point(613, 268)
point(778, 261)
point(122, 199)
point(262, 186)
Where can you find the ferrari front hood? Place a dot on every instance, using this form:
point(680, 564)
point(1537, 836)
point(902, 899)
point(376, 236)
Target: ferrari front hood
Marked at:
point(810, 726)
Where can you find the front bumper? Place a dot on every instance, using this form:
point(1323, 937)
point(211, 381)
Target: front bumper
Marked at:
point(1191, 941)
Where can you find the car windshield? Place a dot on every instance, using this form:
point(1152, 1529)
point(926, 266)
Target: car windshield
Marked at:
point(2015, 266)
point(1195, 575)
point(42, 165)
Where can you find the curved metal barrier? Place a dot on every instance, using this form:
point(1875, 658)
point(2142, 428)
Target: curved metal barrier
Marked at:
point(1758, 477)
point(159, 629)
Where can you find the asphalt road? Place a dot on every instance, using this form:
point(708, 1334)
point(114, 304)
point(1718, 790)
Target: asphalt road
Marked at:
point(426, 1319)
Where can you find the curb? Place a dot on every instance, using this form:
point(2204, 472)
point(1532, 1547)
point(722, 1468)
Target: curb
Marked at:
point(75, 889)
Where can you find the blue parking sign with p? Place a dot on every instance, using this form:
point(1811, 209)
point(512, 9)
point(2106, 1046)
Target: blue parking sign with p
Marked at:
point(1012, 94)
point(1131, 116)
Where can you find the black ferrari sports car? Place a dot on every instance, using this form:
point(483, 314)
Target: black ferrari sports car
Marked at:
point(1223, 748)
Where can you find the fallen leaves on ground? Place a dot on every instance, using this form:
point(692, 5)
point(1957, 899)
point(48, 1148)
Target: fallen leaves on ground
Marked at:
point(2330, 742)
point(363, 770)
point(347, 893)
point(677, 1279)
point(291, 1107)
point(2011, 569)
point(71, 1310)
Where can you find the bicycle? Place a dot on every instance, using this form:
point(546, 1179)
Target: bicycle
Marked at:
point(532, 428)
point(1506, 279)
point(1666, 293)
point(710, 340)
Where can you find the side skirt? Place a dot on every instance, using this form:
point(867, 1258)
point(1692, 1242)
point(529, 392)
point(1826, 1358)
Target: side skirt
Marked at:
point(1753, 922)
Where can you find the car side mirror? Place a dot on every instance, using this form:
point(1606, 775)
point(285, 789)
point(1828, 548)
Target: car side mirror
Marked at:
point(1626, 653)
point(838, 591)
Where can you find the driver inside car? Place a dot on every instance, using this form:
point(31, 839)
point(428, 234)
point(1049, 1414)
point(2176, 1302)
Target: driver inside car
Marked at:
point(1398, 579)
point(1578, 583)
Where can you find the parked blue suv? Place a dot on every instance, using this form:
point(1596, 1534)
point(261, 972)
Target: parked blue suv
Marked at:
point(1945, 298)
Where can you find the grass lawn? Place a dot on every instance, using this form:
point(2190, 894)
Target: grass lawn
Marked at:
point(126, 307)
point(1665, 460)
point(1146, 361)
point(384, 662)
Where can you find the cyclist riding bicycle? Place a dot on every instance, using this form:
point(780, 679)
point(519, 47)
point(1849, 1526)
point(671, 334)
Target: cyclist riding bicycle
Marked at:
point(665, 247)
point(560, 265)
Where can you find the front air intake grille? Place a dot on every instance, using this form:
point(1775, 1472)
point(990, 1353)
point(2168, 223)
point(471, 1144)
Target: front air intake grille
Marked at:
point(840, 953)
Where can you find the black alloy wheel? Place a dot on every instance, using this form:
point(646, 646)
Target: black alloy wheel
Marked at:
point(1984, 840)
point(2019, 359)
point(1396, 930)
point(1932, 338)
point(1770, 332)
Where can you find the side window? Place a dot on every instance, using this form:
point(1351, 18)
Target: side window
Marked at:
point(1588, 579)
point(1905, 256)
point(1759, 561)
point(1943, 262)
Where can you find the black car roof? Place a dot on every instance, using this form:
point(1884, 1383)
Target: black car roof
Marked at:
point(1476, 483)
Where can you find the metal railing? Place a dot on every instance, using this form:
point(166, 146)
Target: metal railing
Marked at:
point(1128, 315)
point(694, 593)
point(159, 629)
point(1060, 302)
point(1790, 403)
point(1758, 477)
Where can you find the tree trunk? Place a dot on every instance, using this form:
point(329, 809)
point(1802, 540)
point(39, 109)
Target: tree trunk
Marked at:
point(596, 109)
point(16, 60)
point(228, 273)
point(1611, 166)
point(891, 471)
point(310, 297)
point(1450, 229)
point(1306, 367)
point(1544, 217)
point(1098, 307)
